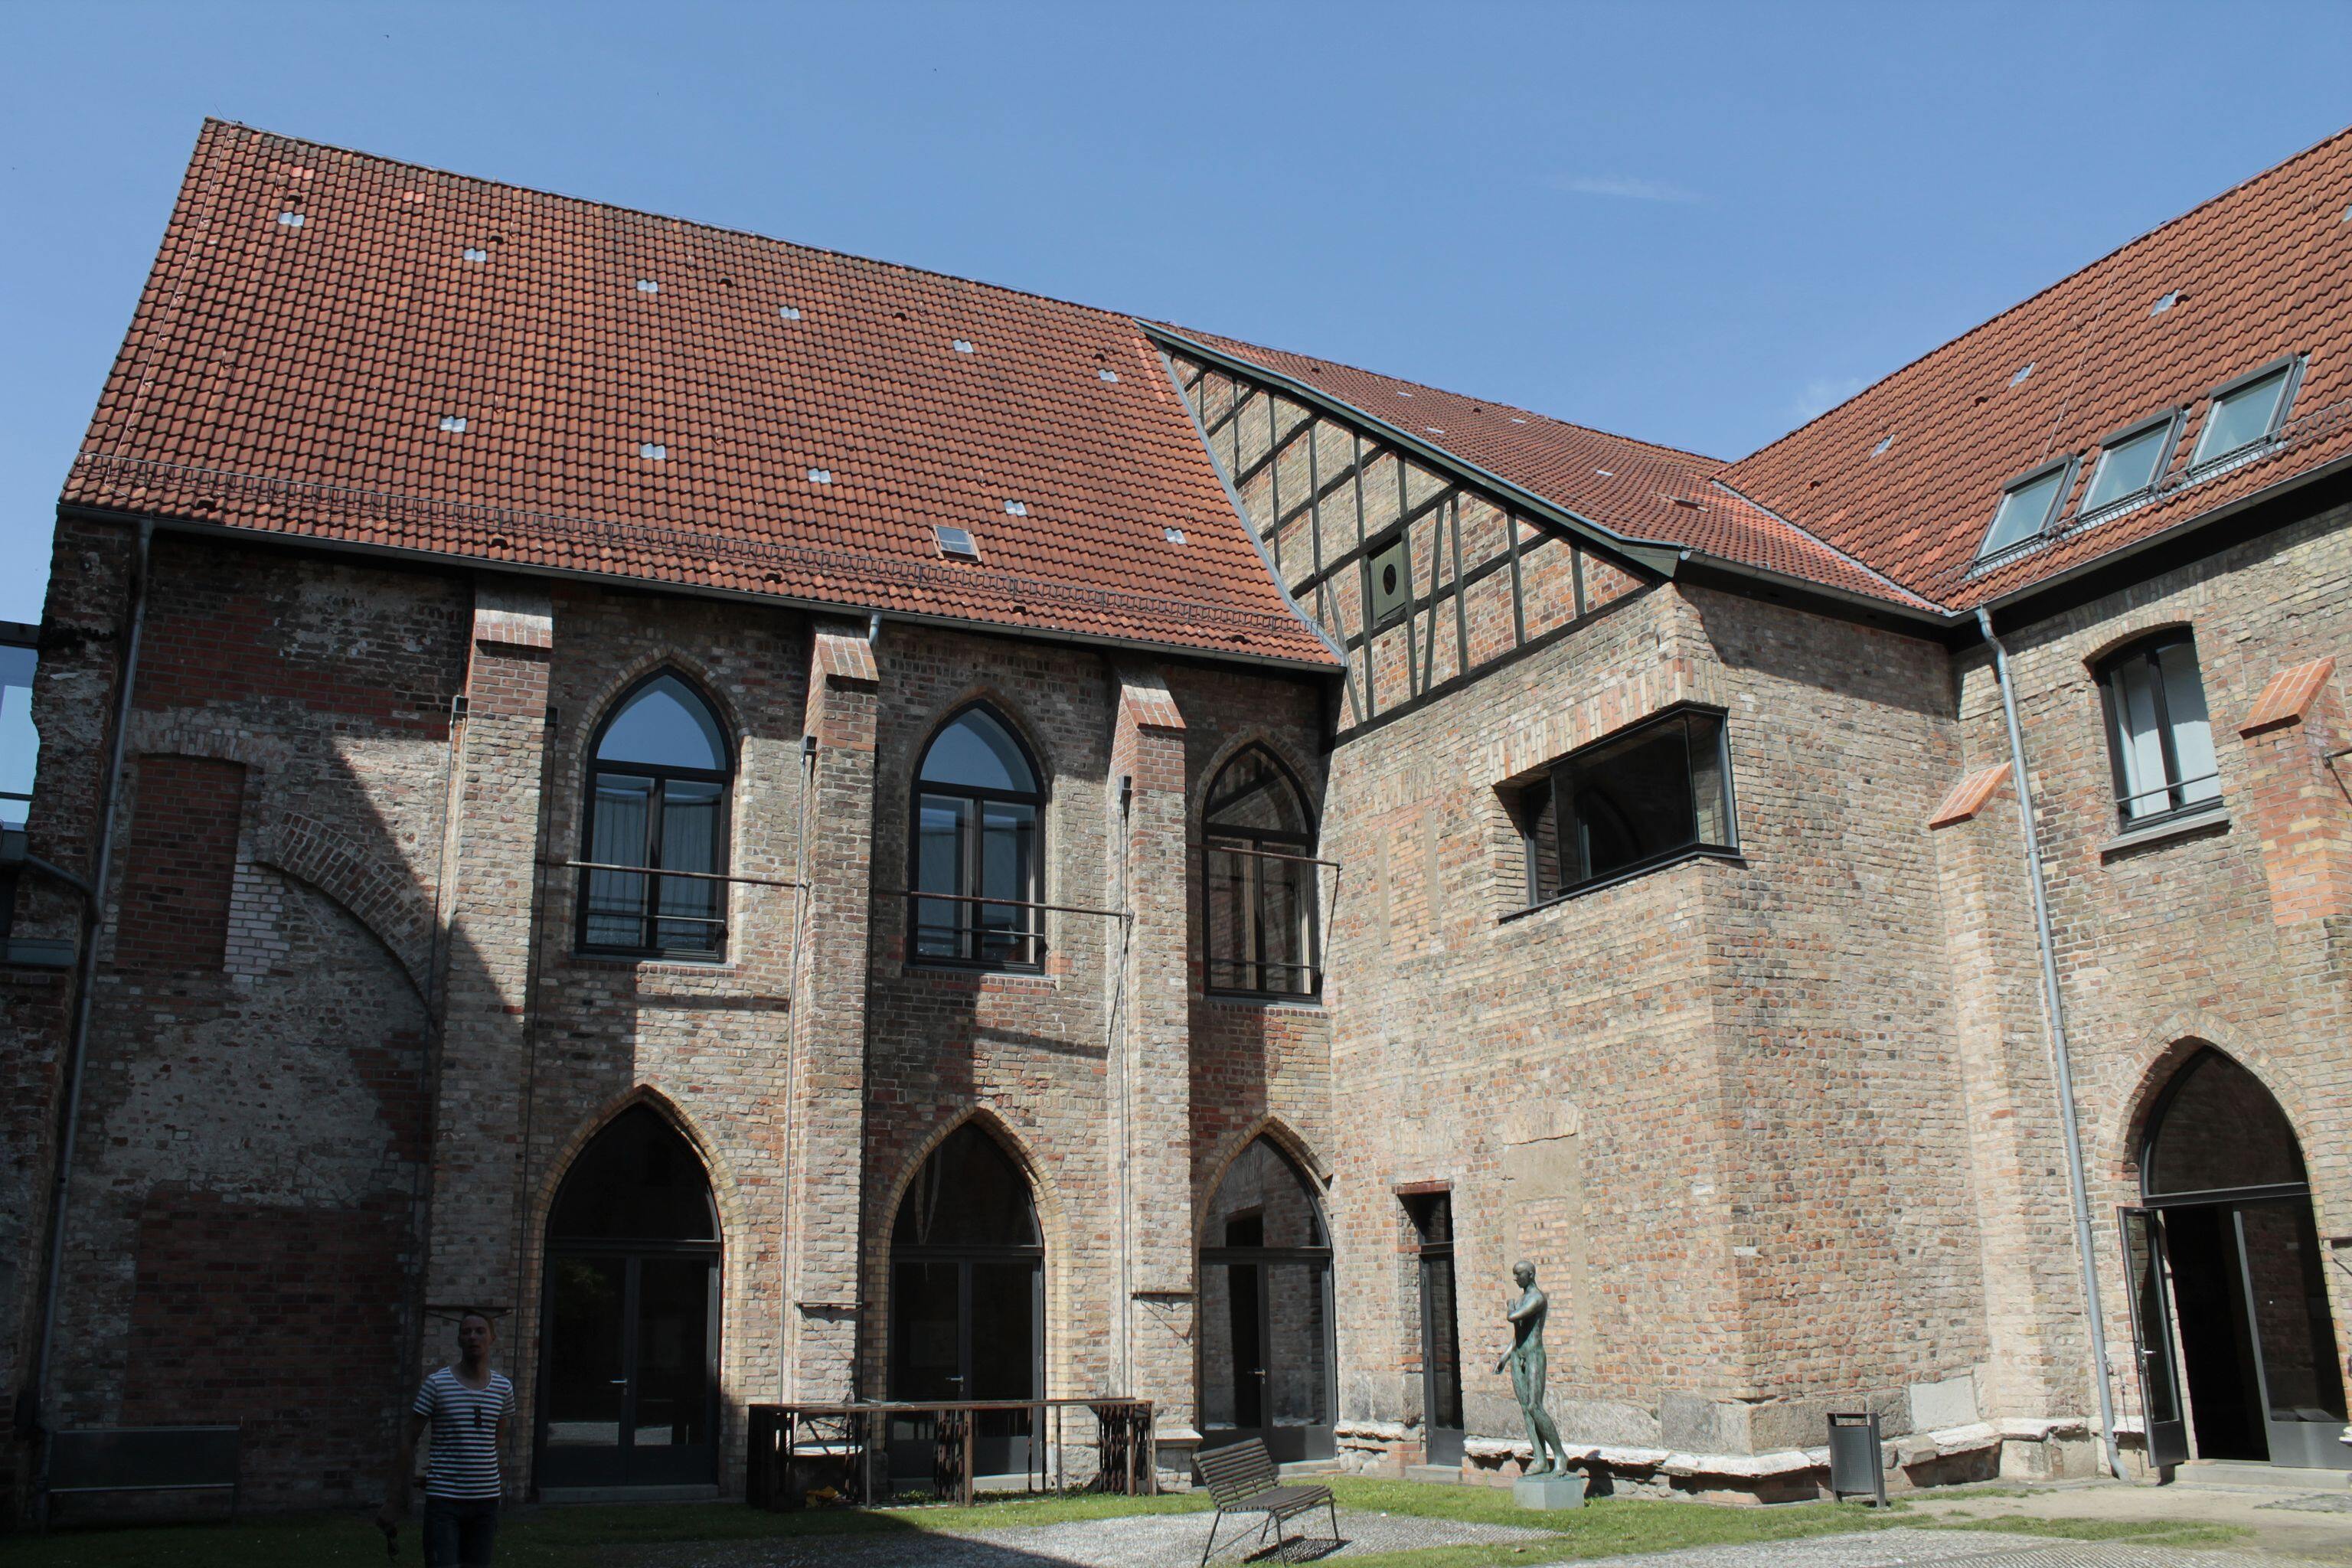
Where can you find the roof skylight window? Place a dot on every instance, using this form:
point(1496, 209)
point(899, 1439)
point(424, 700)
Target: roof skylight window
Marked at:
point(654, 451)
point(291, 220)
point(2170, 299)
point(453, 424)
point(820, 476)
point(2026, 508)
point(2129, 465)
point(1174, 535)
point(647, 285)
point(1884, 442)
point(789, 312)
point(1605, 473)
point(1434, 429)
point(1016, 508)
point(1107, 374)
point(2242, 416)
point(476, 253)
point(955, 541)
point(1402, 394)
point(1516, 420)
point(2023, 374)
point(964, 345)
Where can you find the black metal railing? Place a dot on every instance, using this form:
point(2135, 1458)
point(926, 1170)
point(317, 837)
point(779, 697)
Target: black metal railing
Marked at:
point(843, 1452)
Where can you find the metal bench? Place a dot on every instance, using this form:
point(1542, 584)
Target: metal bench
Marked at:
point(146, 1459)
point(1242, 1478)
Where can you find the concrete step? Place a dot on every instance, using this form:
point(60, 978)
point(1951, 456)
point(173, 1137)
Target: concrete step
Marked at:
point(1434, 1475)
point(2250, 1476)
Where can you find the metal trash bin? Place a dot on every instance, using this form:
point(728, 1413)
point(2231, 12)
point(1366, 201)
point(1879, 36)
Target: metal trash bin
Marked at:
point(1857, 1458)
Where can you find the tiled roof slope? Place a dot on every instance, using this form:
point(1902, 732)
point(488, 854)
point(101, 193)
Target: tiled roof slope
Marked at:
point(294, 377)
point(1630, 487)
point(2262, 271)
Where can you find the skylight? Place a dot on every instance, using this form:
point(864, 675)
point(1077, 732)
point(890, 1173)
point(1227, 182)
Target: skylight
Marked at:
point(453, 424)
point(2169, 300)
point(647, 285)
point(2025, 509)
point(820, 476)
point(653, 450)
point(476, 253)
point(2023, 374)
point(2128, 467)
point(1174, 535)
point(291, 220)
point(2242, 416)
point(1107, 374)
point(1884, 442)
point(955, 541)
point(789, 312)
point(964, 345)
point(1016, 508)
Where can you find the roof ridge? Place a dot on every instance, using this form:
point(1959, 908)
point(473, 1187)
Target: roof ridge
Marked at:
point(1430, 386)
point(1998, 317)
point(211, 120)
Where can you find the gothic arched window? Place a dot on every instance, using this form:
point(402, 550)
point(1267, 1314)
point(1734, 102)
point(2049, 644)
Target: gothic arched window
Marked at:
point(978, 835)
point(1260, 849)
point(657, 787)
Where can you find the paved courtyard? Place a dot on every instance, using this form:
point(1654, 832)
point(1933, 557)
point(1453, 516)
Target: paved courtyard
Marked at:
point(1175, 1541)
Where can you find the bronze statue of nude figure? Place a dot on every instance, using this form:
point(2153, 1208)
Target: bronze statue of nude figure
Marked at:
point(1526, 1360)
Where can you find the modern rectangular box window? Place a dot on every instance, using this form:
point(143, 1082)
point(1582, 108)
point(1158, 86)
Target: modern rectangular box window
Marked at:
point(2128, 466)
point(2026, 508)
point(1653, 795)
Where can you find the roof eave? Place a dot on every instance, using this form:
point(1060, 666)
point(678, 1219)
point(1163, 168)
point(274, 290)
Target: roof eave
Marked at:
point(199, 528)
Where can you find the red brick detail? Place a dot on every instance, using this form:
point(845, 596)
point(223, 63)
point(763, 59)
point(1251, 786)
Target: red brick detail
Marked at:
point(841, 657)
point(2288, 697)
point(279, 1318)
point(1968, 798)
point(179, 865)
point(2297, 804)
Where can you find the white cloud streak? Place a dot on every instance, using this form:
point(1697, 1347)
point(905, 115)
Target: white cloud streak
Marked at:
point(1628, 190)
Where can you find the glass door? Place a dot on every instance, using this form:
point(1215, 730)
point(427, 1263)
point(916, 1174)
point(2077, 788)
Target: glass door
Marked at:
point(1440, 1347)
point(2302, 1390)
point(2147, 1277)
point(630, 1395)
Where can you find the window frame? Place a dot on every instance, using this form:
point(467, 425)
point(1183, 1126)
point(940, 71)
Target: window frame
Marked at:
point(1552, 777)
point(970, 873)
point(2291, 366)
point(2065, 468)
point(1399, 540)
point(2176, 810)
point(2167, 419)
point(662, 773)
point(1261, 839)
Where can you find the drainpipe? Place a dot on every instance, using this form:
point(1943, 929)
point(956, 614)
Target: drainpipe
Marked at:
point(85, 982)
point(2053, 1012)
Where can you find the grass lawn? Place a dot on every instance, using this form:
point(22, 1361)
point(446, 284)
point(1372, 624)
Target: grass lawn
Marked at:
point(1608, 1527)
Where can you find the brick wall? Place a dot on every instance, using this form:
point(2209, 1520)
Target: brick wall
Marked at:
point(179, 864)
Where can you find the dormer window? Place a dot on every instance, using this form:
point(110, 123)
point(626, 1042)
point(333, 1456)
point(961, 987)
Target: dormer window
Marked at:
point(2026, 507)
point(2129, 464)
point(2244, 415)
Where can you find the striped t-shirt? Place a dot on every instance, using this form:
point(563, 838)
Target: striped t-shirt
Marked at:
point(465, 1433)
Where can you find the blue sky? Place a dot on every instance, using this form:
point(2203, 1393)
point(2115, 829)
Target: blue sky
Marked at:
point(1696, 224)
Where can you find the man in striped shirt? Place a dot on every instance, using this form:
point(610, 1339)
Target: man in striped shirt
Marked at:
point(469, 1409)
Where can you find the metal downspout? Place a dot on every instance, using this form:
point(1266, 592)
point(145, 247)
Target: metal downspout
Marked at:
point(86, 979)
point(2053, 1012)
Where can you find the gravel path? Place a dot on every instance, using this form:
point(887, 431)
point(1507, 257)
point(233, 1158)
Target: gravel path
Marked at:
point(1174, 1541)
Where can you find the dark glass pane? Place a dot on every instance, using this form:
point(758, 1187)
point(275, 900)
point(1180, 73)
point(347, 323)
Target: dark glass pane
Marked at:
point(1432, 1218)
point(1444, 1348)
point(2150, 1321)
point(668, 725)
point(586, 1358)
point(1008, 846)
point(673, 1351)
point(1231, 898)
point(1252, 791)
point(617, 837)
point(1003, 1330)
point(1231, 1360)
point(1264, 1183)
point(979, 753)
point(940, 827)
point(1540, 824)
point(968, 1193)
point(2127, 467)
point(19, 744)
point(637, 1179)
point(927, 1322)
point(2023, 511)
point(2291, 1322)
point(2219, 1128)
point(1628, 803)
point(2241, 418)
point(1297, 1345)
point(1281, 930)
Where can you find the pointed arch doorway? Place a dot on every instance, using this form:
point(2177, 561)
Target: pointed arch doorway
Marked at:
point(1266, 1366)
point(628, 1385)
point(2229, 1318)
point(968, 1300)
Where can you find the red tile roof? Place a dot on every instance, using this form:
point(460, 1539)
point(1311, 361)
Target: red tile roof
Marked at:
point(1633, 488)
point(294, 377)
point(2263, 271)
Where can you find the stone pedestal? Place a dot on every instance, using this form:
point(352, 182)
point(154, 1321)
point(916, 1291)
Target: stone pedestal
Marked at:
point(1548, 1492)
